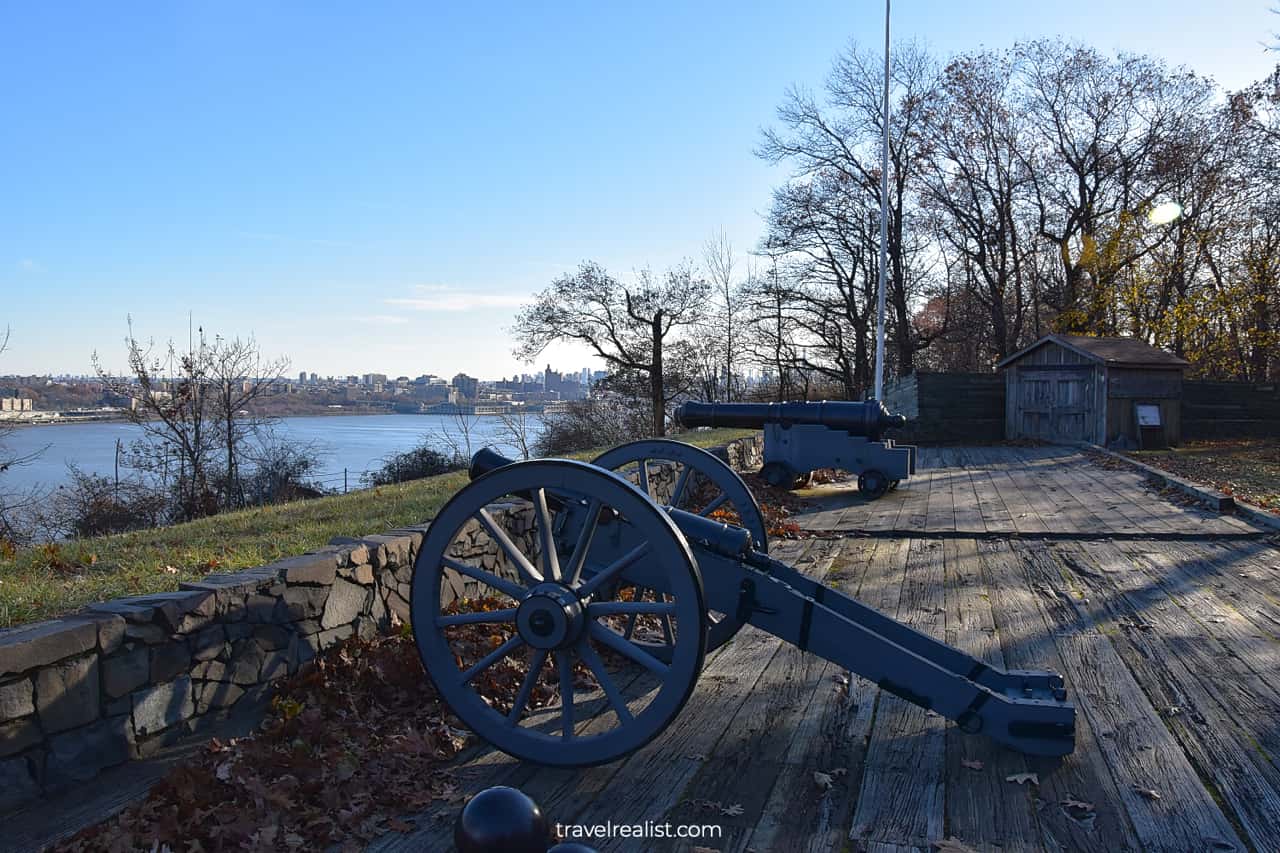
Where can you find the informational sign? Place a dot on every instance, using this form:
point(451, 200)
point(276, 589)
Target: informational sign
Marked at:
point(1148, 415)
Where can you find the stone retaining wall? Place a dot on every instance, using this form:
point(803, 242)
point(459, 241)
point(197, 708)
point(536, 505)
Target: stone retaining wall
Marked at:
point(127, 677)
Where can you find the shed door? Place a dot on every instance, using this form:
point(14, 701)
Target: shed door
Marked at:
point(1054, 404)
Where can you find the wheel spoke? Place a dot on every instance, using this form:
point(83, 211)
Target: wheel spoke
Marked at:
point(637, 593)
point(626, 649)
point(644, 608)
point(514, 554)
point(493, 657)
point(526, 686)
point(612, 570)
point(550, 560)
point(681, 482)
point(511, 588)
point(605, 680)
point(574, 572)
point(644, 478)
point(565, 664)
point(715, 504)
point(667, 632)
point(507, 615)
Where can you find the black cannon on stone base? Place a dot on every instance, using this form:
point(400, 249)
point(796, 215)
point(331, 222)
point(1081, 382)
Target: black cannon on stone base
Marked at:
point(801, 437)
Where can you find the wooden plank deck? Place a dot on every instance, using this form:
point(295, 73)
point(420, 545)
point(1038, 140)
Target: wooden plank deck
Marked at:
point(1164, 620)
point(1048, 491)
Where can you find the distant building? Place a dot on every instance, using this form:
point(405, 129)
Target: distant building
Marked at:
point(377, 379)
point(15, 404)
point(466, 386)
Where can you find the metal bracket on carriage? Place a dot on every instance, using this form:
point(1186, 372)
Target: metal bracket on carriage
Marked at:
point(747, 604)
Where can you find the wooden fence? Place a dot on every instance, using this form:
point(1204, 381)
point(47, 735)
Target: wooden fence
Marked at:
point(1230, 410)
point(948, 407)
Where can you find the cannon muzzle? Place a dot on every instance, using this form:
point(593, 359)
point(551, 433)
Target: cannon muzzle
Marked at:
point(867, 419)
point(486, 460)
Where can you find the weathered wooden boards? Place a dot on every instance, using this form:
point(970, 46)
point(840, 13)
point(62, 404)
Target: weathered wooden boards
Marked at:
point(1017, 491)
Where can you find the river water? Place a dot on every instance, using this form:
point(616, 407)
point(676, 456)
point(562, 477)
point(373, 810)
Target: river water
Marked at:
point(356, 443)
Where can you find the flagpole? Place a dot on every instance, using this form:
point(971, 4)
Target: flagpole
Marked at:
point(884, 219)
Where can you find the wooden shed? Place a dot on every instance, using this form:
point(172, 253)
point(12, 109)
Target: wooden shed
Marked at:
point(1079, 388)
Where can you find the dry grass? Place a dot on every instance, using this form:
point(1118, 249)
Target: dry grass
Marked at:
point(39, 583)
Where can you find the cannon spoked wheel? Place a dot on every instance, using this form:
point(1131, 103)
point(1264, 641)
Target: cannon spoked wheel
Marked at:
point(695, 468)
point(586, 695)
point(873, 484)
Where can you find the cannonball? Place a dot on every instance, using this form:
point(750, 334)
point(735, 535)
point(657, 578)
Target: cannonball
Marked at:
point(501, 820)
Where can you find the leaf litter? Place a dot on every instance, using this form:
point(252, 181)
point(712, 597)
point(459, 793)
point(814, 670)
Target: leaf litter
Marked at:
point(355, 741)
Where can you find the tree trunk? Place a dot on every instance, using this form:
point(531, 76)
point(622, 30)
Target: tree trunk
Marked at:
point(655, 379)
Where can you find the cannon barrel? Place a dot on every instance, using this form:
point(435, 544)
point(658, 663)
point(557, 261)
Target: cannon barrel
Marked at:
point(865, 419)
point(485, 460)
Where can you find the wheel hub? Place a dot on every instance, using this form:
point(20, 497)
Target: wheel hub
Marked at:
point(550, 617)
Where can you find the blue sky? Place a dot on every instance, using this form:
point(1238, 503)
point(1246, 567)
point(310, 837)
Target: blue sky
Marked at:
point(374, 187)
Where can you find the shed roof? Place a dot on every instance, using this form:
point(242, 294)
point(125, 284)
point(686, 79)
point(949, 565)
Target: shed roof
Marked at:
point(1114, 351)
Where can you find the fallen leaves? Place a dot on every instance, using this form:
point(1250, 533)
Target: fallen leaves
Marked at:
point(1149, 793)
point(1079, 811)
point(823, 780)
point(971, 763)
point(350, 745)
point(1023, 778)
point(1248, 469)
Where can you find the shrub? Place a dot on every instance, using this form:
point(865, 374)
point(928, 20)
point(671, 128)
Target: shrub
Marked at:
point(421, 461)
point(282, 472)
point(93, 505)
point(603, 422)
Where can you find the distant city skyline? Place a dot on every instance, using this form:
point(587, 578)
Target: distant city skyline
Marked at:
point(381, 191)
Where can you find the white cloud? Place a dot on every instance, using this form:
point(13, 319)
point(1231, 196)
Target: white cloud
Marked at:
point(383, 319)
point(446, 298)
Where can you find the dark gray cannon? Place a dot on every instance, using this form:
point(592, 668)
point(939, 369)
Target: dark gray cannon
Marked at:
point(800, 437)
point(594, 611)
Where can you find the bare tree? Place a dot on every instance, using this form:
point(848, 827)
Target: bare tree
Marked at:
point(194, 407)
point(172, 402)
point(517, 430)
point(456, 432)
point(837, 141)
point(773, 331)
point(239, 376)
point(1102, 129)
point(15, 505)
point(627, 326)
point(975, 184)
point(723, 335)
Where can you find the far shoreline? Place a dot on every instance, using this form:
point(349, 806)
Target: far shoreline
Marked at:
point(64, 421)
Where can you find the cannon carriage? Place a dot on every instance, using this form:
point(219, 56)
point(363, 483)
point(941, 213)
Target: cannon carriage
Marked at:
point(802, 437)
point(608, 602)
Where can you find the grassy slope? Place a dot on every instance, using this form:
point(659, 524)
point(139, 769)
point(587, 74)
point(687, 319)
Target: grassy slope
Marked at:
point(42, 582)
